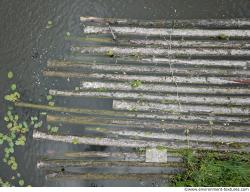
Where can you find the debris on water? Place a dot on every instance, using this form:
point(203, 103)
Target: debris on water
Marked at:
point(49, 25)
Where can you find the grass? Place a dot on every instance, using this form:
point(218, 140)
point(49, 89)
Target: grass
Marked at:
point(213, 169)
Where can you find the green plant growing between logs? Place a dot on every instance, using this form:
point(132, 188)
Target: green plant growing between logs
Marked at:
point(214, 169)
point(135, 83)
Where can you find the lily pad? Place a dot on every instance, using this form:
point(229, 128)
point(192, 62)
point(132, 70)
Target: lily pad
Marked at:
point(10, 74)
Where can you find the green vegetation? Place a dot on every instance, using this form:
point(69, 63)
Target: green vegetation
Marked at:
point(136, 83)
point(52, 129)
point(49, 97)
point(10, 75)
point(75, 141)
point(222, 37)
point(49, 25)
point(214, 169)
point(110, 53)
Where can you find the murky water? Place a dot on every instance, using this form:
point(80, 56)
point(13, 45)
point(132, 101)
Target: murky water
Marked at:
point(26, 44)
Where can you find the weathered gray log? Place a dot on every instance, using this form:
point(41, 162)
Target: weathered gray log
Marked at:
point(121, 156)
point(241, 64)
point(161, 117)
point(190, 44)
point(143, 124)
point(150, 106)
point(136, 143)
point(146, 87)
point(108, 176)
point(184, 52)
point(149, 78)
point(168, 136)
point(166, 70)
point(53, 163)
point(220, 100)
point(162, 43)
point(193, 23)
point(200, 62)
point(190, 33)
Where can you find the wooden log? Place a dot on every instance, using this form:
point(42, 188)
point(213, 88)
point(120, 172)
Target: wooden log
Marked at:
point(149, 51)
point(189, 44)
point(55, 163)
point(220, 100)
point(182, 33)
point(141, 69)
point(160, 117)
point(120, 156)
point(199, 62)
point(147, 87)
point(108, 176)
point(137, 143)
point(168, 136)
point(150, 106)
point(162, 43)
point(237, 23)
point(148, 78)
point(202, 63)
point(142, 124)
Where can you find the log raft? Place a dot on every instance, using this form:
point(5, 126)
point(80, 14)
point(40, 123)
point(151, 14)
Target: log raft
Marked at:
point(171, 84)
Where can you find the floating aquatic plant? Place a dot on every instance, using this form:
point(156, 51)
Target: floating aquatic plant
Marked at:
point(10, 74)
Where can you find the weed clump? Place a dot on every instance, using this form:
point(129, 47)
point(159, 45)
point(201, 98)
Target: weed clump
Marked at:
point(212, 169)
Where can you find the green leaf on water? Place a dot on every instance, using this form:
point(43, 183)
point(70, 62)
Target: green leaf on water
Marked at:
point(21, 182)
point(75, 141)
point(14, 166)
point(6, 118)
point(13, 87)
point(10, 74)
point(49, 97)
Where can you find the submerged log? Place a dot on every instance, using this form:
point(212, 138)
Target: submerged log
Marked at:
point(209, 100)
point(237, 23)
point(53, 163)
point(142, 124)
point(160, 117)
point(109, 176)
point(132, 156)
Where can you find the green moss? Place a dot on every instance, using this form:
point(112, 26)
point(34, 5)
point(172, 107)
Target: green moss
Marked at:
point(110, 53)
point(75, 141)
point(49, 97)
point(135, 83)
point(222, 36)
point(161, 148)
